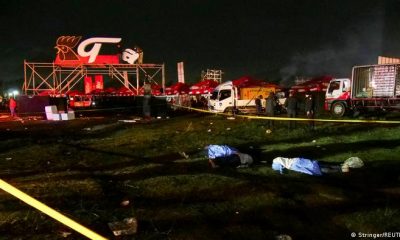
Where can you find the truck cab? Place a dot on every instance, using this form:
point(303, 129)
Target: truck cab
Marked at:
point(337, 96)
point(222, 98)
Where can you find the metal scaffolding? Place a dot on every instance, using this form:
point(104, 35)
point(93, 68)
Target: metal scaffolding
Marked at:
point(60, 79)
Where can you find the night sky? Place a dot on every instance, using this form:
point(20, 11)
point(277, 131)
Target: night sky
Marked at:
point(271, 40)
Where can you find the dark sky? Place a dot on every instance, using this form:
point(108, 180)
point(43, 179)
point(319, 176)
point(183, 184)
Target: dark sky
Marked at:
point(274, 40)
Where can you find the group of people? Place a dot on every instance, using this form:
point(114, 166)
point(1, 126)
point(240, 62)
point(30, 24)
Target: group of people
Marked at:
point(291, 105)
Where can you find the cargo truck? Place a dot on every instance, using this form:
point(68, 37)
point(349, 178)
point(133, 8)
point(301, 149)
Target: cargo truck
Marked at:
point(239, 95)
point(372, 88)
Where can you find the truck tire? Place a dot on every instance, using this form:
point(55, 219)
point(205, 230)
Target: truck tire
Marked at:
point(228, 110)
point(338, 109)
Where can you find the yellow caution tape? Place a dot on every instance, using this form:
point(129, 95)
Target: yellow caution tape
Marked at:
point(49, 211)
point(293, 119)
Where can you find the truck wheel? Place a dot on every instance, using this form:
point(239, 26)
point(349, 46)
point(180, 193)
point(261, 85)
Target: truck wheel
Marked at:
point(338, 109)
point(228, 110)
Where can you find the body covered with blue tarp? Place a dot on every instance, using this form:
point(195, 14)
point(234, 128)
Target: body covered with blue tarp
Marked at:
point(215, 151)
point(302, 165)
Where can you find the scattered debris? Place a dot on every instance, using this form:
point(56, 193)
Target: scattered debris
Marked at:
point(211, 123)
point(228, 129)
point(65, 234)
point(128, 226)
point(209, 130)
point(8, 158)
point(268, 131)
point(283, 237)
point(230, 118)
point(314, 141)
point(125, 202)
point(242, 166)
point(87, 129)
point(183, 154)
point(189, 127)
point(158, 117)
point(128, 121)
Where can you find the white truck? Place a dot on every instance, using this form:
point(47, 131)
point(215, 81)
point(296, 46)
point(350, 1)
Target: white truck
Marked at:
point(239, 95)
point(372, 88)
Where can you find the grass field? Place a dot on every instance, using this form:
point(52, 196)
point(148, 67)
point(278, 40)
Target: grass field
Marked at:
point(85, 168)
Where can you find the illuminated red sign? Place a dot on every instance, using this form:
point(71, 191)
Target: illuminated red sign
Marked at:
point(88, 51)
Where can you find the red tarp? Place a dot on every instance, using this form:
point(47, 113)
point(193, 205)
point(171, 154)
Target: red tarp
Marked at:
point(177, 88)
point(318, 84)
point(203, 87)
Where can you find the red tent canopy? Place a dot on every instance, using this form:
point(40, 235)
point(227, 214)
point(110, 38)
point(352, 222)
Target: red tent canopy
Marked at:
point(204, 87)
point(318, 84)
point(155, 90)
point(110, 90)
point(48, 92)
point(75, 92)
point(247, 81)
point(177, 88)
point(124, 90)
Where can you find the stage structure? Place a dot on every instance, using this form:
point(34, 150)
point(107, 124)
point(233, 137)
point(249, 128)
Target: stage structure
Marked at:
point(54, 79)
point(77, 65)
point(212, 74)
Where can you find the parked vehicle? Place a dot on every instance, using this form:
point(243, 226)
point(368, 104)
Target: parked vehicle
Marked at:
point(239, 95)
point(372, 88)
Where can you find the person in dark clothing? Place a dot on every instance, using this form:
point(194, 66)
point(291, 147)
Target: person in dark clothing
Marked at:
point(309, 109)
point(147, 101)
point(270, 108)
point(291, 108)
point(258, 104)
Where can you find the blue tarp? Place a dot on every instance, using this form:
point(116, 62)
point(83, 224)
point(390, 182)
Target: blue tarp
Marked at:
point(215, 151)
point(302, 165)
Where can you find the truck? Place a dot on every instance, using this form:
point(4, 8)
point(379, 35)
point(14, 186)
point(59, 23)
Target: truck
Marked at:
point(239, 95)
point(372, 88)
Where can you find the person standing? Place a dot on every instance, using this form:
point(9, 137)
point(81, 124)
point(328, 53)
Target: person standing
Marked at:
point(258, 104)
point(146, 101)
point(309, 109)
point(270, 108)
point(291, 108)
point(12, 105)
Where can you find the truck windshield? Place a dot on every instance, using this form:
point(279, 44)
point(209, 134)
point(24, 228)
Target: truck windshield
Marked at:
point(214, 95)
point(335, 85)
point(224, 94)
